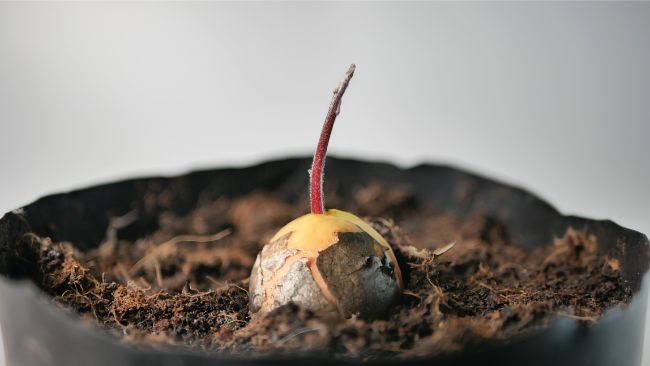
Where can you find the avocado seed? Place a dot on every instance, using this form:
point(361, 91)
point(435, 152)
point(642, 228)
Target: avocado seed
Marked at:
point(330, 263)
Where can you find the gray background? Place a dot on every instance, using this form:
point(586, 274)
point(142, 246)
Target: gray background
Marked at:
point(550, 96)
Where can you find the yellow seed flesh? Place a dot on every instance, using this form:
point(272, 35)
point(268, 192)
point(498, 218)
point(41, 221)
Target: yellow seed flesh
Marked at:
point(316, 232)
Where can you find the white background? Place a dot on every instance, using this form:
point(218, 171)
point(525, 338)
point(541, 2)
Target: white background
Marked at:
point(550, 96)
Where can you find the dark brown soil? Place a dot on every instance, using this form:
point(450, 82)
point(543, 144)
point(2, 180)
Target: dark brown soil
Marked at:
point(186, 284)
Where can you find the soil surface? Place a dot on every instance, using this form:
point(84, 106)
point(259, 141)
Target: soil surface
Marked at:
point(185, 285)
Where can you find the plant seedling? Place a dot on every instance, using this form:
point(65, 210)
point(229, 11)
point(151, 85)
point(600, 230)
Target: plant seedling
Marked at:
point(328, 261)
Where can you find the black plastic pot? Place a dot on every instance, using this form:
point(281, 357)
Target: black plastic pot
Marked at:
point(36, 332)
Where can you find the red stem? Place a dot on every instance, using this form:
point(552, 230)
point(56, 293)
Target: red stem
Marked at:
point(317, 166)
